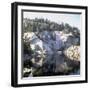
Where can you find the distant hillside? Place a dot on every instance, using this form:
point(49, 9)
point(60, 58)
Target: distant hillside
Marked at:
point(39, 25)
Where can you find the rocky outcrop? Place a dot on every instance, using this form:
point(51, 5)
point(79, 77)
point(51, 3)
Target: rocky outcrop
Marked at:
point(73, 52)
point(52, 53)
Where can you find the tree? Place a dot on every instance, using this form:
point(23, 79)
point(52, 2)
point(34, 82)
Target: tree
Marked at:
point(76, 31)
point(68, 28)
point(61, 27)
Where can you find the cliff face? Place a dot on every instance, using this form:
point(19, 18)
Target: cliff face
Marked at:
point(51, 41)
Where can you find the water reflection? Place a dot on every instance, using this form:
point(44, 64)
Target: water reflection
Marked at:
point(52, 64)
point(59, 64)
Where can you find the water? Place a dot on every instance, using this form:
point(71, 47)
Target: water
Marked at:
point(60, 64)
point(51, 65)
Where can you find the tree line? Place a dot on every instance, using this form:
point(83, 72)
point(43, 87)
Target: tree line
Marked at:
point(41, 24)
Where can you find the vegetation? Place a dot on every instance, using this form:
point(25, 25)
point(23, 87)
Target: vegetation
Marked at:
point(39, 25)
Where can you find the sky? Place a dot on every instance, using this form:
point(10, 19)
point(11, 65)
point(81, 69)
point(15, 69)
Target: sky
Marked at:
point(72, 19)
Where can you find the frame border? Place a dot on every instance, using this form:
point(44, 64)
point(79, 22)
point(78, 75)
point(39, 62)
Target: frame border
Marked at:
point(14, 43)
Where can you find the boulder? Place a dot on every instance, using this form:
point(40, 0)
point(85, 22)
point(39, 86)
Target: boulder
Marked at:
point(73, 52)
